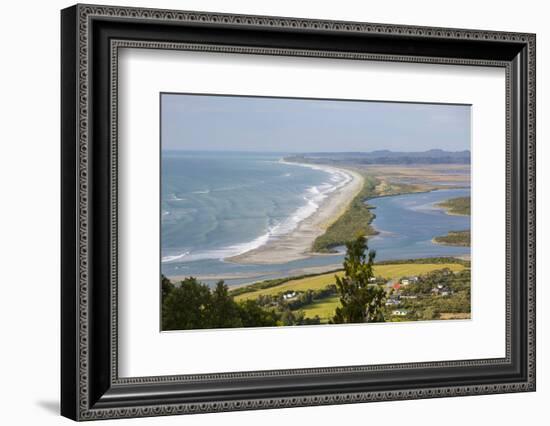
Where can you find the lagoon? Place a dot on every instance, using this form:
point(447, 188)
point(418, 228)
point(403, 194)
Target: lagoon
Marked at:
point(407, 223)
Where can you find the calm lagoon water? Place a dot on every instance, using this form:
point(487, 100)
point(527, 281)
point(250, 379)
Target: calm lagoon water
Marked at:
point(216, 205)
point(407, 224)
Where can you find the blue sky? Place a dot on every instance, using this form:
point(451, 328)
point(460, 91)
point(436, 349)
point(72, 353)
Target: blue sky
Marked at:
point(230, 123)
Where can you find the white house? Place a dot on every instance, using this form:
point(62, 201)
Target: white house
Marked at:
point(400, 312)
point(289, 295)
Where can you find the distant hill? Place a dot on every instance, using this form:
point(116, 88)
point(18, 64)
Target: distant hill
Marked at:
point(433, 156)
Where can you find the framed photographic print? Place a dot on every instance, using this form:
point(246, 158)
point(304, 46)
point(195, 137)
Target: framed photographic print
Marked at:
point(263, 212)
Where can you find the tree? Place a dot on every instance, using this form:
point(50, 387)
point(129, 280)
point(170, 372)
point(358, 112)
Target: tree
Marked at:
point(187, 306)
point(360, 301)
point(253, 315)
point(166, 287)
point(224, 312)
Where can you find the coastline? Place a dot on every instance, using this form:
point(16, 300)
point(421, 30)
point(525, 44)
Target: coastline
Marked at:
point(296, 245)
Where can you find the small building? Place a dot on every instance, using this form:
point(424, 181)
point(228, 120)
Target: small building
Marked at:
point(409, 280)
point(400, 312)
point(289, 295)
point(441, 290)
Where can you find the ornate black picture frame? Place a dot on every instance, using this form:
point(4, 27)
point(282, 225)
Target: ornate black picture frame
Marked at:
point(91, 36)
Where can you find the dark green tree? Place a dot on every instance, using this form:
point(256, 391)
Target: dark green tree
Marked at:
point(167, 287)
point(224, 311)
point(361, 301)
point(253, 315)
point(187, 306)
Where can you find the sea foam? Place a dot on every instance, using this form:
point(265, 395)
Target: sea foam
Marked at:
point(221, 253)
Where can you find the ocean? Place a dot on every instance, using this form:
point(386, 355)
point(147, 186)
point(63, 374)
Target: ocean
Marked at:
point(216, 205)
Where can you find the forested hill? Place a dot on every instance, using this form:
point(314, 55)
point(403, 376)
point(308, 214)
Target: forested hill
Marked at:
point(433, 156)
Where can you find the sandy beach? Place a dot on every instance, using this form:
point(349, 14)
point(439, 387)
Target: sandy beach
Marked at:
point(297, 244)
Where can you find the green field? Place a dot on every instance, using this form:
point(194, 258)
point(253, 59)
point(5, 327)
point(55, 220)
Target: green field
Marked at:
point(387, 271)
point(324, 309)
point(458, 206)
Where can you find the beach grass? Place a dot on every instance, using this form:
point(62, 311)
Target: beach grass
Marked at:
point(321, 281)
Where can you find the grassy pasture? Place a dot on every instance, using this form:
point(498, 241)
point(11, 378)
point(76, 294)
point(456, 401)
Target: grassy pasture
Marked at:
point(324, 309)
point(387, 271)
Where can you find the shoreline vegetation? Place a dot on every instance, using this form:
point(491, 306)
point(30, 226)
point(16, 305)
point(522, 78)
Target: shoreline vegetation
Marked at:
point(355, 219)
point(459, 206)
point(454, 238)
